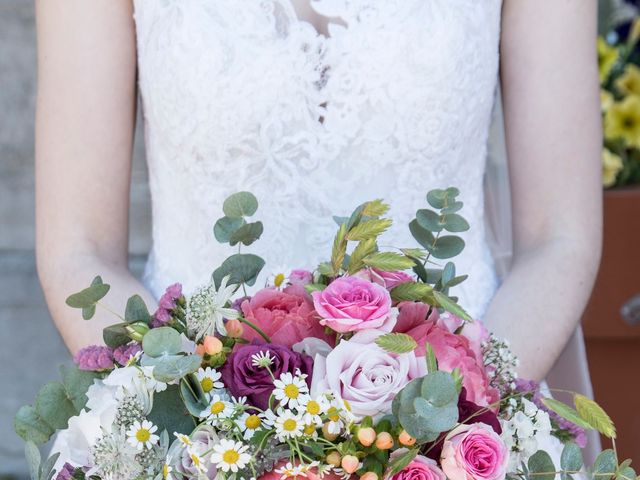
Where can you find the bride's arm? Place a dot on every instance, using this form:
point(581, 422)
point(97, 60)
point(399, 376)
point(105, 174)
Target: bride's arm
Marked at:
point(84, 134)
point(553, 131)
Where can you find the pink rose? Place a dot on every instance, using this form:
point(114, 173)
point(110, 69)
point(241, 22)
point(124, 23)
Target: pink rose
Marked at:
point(350, 304)
point(300, 277)
point(474, 452)
point(287, 316)
point(452, 350)
point(365, 375)
point(420, 468)
point(392, 279)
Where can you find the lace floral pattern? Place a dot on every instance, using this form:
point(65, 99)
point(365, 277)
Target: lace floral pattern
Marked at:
point(241, 94)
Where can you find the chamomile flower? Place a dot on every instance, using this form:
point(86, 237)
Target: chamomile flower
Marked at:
point(288, 425)
point(339, 416)
point(249, 424)
point(185, 440)
point(290, 470)
point(209, 379)
point(167, 472)
point(310, 430)
point(142, 435)
point(218, 409)
point(291, 390)
point(197, 461)
point(279, 277)
point(262, 359)
point(268, 418)
point(206, 309)
point(323, 469)
point(312, 409)
point(230, 456)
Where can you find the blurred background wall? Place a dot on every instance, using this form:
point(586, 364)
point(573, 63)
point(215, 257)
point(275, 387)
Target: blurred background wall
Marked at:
point(30, 348)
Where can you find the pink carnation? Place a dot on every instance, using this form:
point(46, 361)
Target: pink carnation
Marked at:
point(420, 468)
point(287, 316)
point(452, 350)
point(350, 304)
point(474, 452)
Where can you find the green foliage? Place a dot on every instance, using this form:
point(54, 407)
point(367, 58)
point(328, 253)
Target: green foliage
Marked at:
point(241, 268)
point(396, 342)
point(369, 229)
point(542, 466)
point(339, 249)
point(605, 465)
point(427, 406)
point(136, 310)
point(31, 427)
point(192, 394)
point(571, 459)
point(565, 412)
point(412, 292)
point(169, 368)
point(170, 413)
point(162, 341)
point(362, 250)
point(388, 261)
point(430, 357)
point(225, 227)
point(400, 462)
point(450, 306)
point(595, 416)
point(241, 204)
point(116, 335)
point(246, 234)
point(87, 299)
point(37, 469)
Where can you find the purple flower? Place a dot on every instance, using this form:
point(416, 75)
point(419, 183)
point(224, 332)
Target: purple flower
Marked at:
point(242, 378)
point(123, 353)
point(169, 297)
point(160, 318)
point(94, 357)
point(66, 472)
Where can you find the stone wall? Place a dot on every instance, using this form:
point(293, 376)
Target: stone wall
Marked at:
point(30, 348)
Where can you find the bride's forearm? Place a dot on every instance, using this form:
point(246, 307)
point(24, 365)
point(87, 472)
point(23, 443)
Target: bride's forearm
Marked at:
point(541, 301)
point(73, 273)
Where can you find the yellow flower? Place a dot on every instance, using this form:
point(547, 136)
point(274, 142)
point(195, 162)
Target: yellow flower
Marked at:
point(622, 121)
point(606, 99)
point(611, 166)
point(629, 82)
point(607, 58)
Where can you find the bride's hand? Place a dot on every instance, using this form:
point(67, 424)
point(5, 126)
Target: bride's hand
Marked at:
point(552, 119)
point(84, 134)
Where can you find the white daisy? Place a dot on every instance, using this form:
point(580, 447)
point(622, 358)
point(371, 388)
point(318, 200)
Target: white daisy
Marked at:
point(218, 409)
point(249, 424)
point(288, 425)
point(183, 439)
point(262, 359)
point(141, 435)
point(290, 470)
point(280, 277)
point(312, 409)
point(197, 461)
point(206, 309)
point(230, 455)
point(209, 379)
point(291, 390)
point(167, 472)
point(310, 430)
point(268, 417)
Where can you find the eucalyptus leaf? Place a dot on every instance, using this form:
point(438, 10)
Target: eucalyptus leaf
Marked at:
point(446, 246)
point(340, 220)
point(76, 383)
point(423, 236)
point(455, 223)
point(54, 406)
point(541, 464)
point(161, 341)
point(193, 395)
point(89, 296)
point(605, 465)
point(448, 273)
point(241, 204)
point(30, 426)
point(173, 367)
point(33, 457)
point(437, 198)
point(88, 312)
point(452, 207)
point(225, 227)
point(116, 335)
point(136, 310)
point(247, 234)
point(571, 458)
point(429, 220)
point(170, 413)
point(241, 268)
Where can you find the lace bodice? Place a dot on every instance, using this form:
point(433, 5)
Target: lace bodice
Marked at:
point(243, 95)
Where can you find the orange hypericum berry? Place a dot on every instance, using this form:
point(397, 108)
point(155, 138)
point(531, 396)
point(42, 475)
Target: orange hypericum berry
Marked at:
point(366, 436)
point(384, 441)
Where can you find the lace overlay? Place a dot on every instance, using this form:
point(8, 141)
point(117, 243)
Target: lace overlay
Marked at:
point(243, 95)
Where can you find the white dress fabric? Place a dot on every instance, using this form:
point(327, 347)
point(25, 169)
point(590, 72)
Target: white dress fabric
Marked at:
point(243, 95)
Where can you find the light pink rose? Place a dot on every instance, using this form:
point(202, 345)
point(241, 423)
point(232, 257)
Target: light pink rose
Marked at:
point(350, 304)
point(452, 350)
point(420, 468)
point(474, 452)
point(392, 279)
point(287, 316)
point(300, 277)
point(364, 374)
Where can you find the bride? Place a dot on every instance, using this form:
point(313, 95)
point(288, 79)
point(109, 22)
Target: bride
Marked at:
point(316, 106)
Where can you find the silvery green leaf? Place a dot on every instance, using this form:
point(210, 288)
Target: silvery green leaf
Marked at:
point(225, 227)
point(161, 341)
point(30, 426)
point(89, 296)
point(169, 412)
point(116, 335)
point(32, 455)
point(76, 383)
point(246, 234)
point(173, 367)
point(605, 465)
point(241, 268)
point(437, 198)
point(423, 236)
point(54, 406)
point(446, 246)
point(455, 223)
point(136, 310)
point(241, 204)
point(571, 458)
point(46, 469)
point(193, 395)
point(429, 220)
point(541, 464)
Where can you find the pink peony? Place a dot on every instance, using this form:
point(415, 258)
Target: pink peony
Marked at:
point(420, 468)
point(365, 375)
point(350, 304)
point(287, 316)
point(452, 350)
point(474, 452)
point(300, 277)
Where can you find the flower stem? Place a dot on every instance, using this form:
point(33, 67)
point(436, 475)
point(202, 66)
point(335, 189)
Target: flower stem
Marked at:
point(256, 328)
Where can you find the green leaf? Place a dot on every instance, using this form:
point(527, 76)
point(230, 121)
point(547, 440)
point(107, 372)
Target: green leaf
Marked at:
point(89, 296)
point(325, 269)
point(446, 246)
point(54, 406)
point(368, 229)
point(339, 249)
point(136, 310)
point(388, 261)
point(33, 457)
point(594, 415)
point(565, 412)
point(225, 227)
point(88, 312)
point(626, 473)
point(455, 223)
point(422, 236)
point(192, 394)
point(241, 204)
point(116, 335)
point(76, 383)
point(314, 287)
point(411, 292)
point(541, 464)
point(30, 426)
point(170, 413)
point(605, 465)
point(173, 367)
point(400, 462)
point(452, 207)
point(457, 281)
point(430, 357)
point(340, 220)
point(161, 341)
point(571, 458)
point(396, 343)
point(429, 220)
point(46, 469)
point(247, 234)
point(241, 268)
point(364, 248)
point(437, 198)
point(450, 306)
point(375, 208)
point(416, 253)
point(448, 273)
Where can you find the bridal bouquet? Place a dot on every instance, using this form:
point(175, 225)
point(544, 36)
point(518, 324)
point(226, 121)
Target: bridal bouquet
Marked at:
point(366, 368)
